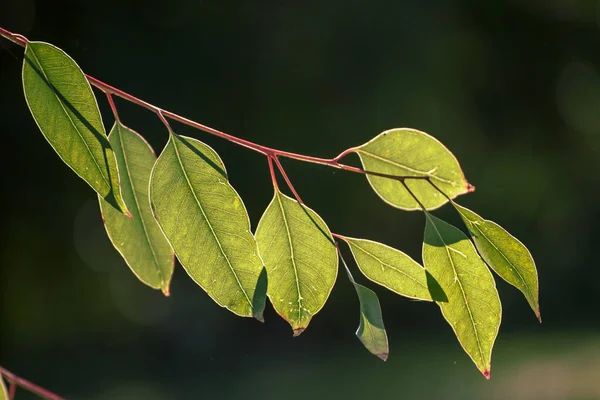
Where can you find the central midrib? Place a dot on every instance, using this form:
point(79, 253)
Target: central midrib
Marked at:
point(189, 184)
point(292, 258)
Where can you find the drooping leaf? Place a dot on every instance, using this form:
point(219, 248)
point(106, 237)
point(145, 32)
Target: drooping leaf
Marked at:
point(206, 223)
point(301, 259)
point(3, 392)
point(505, 254)
point(473, 307)
point(371, 331)
point(64, 107)
point(138, 239)
point(390, 268)
point(409, 152)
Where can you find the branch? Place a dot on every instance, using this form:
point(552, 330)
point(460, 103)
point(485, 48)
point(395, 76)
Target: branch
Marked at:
point(13, 379)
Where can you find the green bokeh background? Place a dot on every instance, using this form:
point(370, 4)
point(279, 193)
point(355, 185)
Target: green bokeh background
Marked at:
point(511, 87)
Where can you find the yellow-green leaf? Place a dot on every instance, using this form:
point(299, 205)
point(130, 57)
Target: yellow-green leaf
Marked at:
point(3, 392)
point(473, 307)
point(300, 257)
point(65, 109)
point(138, 239)
point(390, 268)
point(409, 152)
point(371, 331)
point(505, 254)
point(206, 223)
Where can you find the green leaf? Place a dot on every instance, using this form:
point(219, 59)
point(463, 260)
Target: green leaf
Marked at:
point(473, 307)
point(504, 254)
point(138, 239)
point(206, 223)
point(390, 268)
point(301, 259)
point(371, 331)
point(64, 107)
point(3, 392)
point(408, 152)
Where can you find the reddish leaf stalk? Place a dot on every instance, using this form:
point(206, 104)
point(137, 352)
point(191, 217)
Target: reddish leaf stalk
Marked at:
point(14, 381)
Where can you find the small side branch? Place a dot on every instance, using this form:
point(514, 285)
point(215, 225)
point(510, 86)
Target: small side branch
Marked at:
point(15, 380)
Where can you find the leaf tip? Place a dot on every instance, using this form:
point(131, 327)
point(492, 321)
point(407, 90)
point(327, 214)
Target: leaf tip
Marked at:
point(383, 356)
point(486, 373)
point(128, 214)
point(538, 314)
point(470, 188)
point(298, 331)
point(165, 290)
point(259, 317)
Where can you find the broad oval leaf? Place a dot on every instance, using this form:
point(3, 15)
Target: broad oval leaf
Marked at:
point(390, 268)
point(371, 331)
point(473, 307)
point(300, 257)
point(139, 238)
point(409, 152)
point(3, 392)
point(206, 223)
point(64, 107)
point(505, 254)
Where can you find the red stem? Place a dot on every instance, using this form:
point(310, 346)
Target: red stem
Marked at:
point(267, 151)
point(25, 384)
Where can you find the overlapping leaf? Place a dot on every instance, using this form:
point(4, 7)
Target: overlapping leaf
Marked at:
point(391, 268)
point(473, 307)
point(300, 257)
point(409, 152)
point(64, 107)
point(206, 223)
point(138, 239)
point(504, 254)
point(371, 331)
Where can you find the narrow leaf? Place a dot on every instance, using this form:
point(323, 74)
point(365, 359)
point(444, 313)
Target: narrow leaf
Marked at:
point(473, 307)
point(408, 152)
point(371, 331)
point(206, 223)
point(64, 107)
point(301, 259)
point(390, 268)
point(138, 239)
point(3, 392)
point(505, 254)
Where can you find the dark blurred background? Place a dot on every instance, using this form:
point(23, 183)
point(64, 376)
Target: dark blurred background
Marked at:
point(511, 87)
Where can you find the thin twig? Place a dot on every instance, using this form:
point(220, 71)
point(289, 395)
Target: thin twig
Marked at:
point(32, 387)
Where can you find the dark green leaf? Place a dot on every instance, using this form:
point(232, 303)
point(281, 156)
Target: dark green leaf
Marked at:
point(64, 107)
point(473, 307)
point(206, 224)
point(371, 331)
point(504, 254)
point(408, 152)
point(390, 268)
point(301, 259)
point(138, 239)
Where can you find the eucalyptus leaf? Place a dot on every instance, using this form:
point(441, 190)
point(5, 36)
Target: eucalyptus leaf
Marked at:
point(206, 223)
point(3, 392)
point(65, 109)
point(371, 331)
point(473, 307)
point(409, 152)
point(138, 239)
point(300, 257)
point(390, 268)
point(505, 254)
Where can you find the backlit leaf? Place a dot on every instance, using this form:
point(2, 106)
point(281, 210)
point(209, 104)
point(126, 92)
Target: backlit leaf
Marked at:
point(371, 331)
point(504, 254)
point(409, 152)
point(206, 223)
point(301, 259)
point(3, 392)
point(138, 239)
point(390, 268)
point(64, 107)
point(473, 307)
